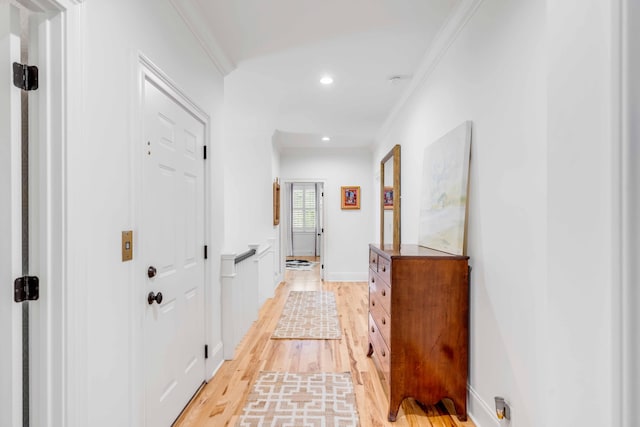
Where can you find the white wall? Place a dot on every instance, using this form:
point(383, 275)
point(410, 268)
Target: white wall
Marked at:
point(250, 165)
point(101, 194)
point(347, 232)
point(279, 245)
point(582, 233)
point(534, 78)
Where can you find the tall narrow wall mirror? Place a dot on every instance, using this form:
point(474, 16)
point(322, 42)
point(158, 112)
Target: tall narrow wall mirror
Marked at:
point(390, 198)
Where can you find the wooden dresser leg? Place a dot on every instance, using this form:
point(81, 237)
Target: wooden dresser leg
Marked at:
point(460, 405)
point(462, 417)
point(370, 352)
point(394, 407)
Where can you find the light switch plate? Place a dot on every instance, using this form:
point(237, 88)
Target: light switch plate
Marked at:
point(127, 245)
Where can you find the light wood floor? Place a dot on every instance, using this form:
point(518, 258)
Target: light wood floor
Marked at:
point(220, 402)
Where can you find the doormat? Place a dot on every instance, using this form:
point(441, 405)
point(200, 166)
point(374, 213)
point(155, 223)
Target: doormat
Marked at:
point(300, 264)
point(309, 315)
point(292, 399)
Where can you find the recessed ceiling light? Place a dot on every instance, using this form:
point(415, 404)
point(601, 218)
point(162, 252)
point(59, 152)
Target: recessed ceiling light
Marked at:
point(326, 80)
point(326, 138)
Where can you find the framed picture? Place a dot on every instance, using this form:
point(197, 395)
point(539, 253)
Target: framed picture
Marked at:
point(276, 202)
point(350, 197)
point(387, 196)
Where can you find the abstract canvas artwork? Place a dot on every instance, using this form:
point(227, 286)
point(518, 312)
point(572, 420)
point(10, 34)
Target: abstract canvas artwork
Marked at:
point(443, 200)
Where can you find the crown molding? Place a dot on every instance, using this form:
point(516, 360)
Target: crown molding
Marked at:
point(49, 5)
point(200, 29)
point(441, 43)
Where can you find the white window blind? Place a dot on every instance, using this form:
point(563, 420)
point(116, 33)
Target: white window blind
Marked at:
point(303, 210)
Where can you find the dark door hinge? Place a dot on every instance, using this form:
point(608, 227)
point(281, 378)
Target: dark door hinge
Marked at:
point(26, 288)
point(206, 351)
point(25, 76)
point(206, 252)
point(205, 152)
point(322, 266)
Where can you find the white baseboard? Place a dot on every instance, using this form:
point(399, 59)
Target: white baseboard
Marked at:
point(215, 360)
point(480, 411)
point(346, 277)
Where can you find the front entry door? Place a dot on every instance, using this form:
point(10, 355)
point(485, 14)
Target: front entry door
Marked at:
point(172, 240)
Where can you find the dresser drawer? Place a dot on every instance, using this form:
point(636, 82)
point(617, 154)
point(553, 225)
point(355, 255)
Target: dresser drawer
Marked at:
point(373, 261)
point(384, 269)
point(381, 290)
point(381, 318)
point(380, 348)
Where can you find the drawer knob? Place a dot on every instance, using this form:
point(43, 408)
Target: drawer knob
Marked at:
point(384, 268)
point(372, 329)
point(373, 303)
point(384, 354)
point(384, 322)
point(384, 293)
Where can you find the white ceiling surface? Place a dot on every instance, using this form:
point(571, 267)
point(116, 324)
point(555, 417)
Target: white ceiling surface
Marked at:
point(279, 49)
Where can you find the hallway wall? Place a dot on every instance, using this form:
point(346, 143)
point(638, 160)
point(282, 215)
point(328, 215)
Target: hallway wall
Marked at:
point(347, 232)
point(250, 164)
point(534, 77)
point(101, 194)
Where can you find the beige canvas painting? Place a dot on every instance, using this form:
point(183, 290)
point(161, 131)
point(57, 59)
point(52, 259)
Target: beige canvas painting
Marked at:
point(443, 200)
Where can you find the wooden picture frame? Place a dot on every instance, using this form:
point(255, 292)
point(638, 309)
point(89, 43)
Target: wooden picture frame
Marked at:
point(350, 197)
point(387, 197)
point(276, 202)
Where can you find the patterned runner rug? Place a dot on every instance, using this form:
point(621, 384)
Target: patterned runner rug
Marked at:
point(288, 399)
point(309, 315)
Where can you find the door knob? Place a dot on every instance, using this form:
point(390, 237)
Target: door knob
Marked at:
point(154, 297)
point(151, 272)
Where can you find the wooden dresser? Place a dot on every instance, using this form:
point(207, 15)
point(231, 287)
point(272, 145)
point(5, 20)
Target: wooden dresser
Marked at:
point(419, 324)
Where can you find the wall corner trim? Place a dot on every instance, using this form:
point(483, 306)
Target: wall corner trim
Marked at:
point(479, 411)
point(441, 43)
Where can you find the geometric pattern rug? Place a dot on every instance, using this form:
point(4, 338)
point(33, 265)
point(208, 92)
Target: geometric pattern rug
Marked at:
point(292, 399)
point(309, 315)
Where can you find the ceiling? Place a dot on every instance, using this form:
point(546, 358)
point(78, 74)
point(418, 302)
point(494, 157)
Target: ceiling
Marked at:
point(276, 51)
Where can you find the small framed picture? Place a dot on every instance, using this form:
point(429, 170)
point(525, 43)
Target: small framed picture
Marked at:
point(350, 197)
point(276, 202)
point(387, 196)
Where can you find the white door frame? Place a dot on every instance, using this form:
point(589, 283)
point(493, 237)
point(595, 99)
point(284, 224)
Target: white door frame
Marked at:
point(147, 70)
point(286, 184)
point(10, 228)
point(52, 384)
point(628, 199)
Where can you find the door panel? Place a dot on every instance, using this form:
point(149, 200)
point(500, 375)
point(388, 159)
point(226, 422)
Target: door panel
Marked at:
point(172, 239)
point(304, 244)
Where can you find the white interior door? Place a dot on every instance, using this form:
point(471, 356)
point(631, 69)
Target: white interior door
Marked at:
point(320, 215)
point(172, 239)
point(10, 221)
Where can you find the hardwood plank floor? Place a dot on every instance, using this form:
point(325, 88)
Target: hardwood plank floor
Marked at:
point(220, 402)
